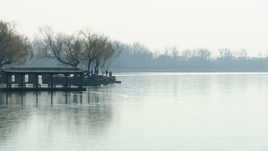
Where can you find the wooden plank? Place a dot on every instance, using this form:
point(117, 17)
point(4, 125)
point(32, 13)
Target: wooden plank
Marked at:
point(43, 89)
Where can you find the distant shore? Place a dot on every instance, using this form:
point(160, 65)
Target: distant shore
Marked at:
point(187, 70)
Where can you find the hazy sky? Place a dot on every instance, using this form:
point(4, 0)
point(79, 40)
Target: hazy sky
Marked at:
point(158, 24)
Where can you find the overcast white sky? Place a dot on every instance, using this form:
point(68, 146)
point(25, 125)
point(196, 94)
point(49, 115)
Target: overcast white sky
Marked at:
point(158, 24)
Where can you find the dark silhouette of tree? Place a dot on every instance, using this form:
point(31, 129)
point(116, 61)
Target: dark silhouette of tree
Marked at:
point(67, 49)
point(14, 47)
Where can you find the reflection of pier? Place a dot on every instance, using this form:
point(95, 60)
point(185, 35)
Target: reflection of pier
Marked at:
point(36, 79)
point(50, 98)
point(68, 111)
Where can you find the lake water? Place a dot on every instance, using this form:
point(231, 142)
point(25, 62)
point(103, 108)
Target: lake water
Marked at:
point(147, 112)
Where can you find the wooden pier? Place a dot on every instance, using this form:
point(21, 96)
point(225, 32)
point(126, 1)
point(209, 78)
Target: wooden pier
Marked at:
point(43, 79)
point(42, 89)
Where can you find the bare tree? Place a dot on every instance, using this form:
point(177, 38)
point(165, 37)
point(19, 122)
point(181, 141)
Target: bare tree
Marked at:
point(186, 54)
point(14, 48)
point(225, 54)
point(67, 49)
point(204, 54)
point(243, 55)
point(85, 47)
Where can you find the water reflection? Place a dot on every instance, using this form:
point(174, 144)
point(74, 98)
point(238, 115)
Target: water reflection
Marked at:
point(57, 117)
point(185, 112)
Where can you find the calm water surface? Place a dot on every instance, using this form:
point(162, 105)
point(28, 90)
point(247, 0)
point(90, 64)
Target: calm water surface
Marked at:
point(147, 112)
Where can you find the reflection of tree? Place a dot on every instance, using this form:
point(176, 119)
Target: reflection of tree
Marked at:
point(77, 119)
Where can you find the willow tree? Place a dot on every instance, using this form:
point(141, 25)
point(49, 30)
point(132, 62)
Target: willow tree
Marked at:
point(14, 47)
point(93, 48)
point(111, 51)
point(98, 50)
point(103, 48)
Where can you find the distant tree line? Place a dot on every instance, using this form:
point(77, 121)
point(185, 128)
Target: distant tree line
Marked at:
point(137, 57)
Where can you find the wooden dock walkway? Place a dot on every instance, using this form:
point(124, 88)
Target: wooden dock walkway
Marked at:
point(42, 89)
point(54, 79)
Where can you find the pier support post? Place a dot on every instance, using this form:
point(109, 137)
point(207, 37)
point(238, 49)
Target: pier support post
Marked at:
point(81, 80)
point(35, 81)
point(7, 80)
point(21, 80)
point(66, 80)
point(51, 83)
